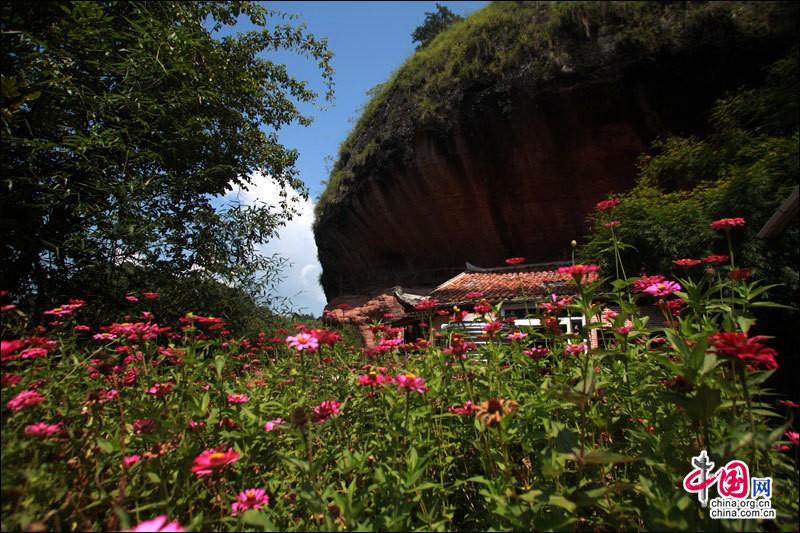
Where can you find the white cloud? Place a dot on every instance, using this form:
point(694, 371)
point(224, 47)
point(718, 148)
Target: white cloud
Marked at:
point(295, 242)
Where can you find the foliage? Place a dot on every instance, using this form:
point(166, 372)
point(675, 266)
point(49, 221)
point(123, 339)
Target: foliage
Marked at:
point(122, 123)
point(435, 23)
point(105, 429)
point(746, 166)
point(527, 45)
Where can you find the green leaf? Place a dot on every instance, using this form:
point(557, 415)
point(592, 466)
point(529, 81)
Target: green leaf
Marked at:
point(105, 445)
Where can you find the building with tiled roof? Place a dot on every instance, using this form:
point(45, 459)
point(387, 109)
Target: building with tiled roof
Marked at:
point(509, 283)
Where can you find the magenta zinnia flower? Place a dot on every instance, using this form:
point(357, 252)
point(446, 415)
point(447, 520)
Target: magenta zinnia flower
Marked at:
point(515, 260)
point(250, 499)
point(492, 327)
point(24, 399)
point(272, 425)
point(238, 398)
point(158, 525)
point(535, 352)
point(467, 410)
point(663, 288)
point(373, 378)
point(325, 410)
point(303, 341)
point(574, 349)
point(131, 460)
point(736, 344)
point(411, 382)
point(212, 460)
point(42, 429)
point(716, 259)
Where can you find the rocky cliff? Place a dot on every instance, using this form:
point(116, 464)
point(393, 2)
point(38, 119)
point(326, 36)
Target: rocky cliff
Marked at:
point(510, 163)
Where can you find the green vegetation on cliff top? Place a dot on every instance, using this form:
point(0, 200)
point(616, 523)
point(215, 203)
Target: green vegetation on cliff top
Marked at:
point(528, 44)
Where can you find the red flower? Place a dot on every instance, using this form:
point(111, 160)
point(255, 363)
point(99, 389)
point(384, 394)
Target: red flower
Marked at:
point(740, 274)
point(492, 327)
point(515, 260)
point(577, 271)
point(736, 344)
point(607, 204)
point(426, 305)
point(727, 223)
point(716, 259)
point(686, 262)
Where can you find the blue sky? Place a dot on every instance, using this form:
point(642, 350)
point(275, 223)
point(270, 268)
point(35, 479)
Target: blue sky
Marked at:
point(370, 41)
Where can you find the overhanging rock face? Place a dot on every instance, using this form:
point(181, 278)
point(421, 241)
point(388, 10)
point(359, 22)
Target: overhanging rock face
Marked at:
point(517, 172)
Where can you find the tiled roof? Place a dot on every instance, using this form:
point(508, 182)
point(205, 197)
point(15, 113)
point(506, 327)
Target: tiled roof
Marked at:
point(508, 283)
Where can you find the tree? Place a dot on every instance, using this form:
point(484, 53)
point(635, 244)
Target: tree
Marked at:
point(435, 23)
point(122, 123)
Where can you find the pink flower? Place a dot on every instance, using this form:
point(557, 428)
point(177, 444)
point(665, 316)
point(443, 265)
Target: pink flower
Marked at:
point(131, 460)
point(24, 399)
point(150, 295)
point(143, 426)
point(42, 429)
point(159, 524)
point(793, 436)
point(641, 284)
point(9, 380)
point(325, 410)
point(516, 335)
point(612, 223)
point(9, 347)
point(574, 349)
point(663, 288)
point(132, 298)
point(607, 204)
point(212, 460)
point(373, 378)
point(736, 344)
point(474, 295)
point(237, 398)
point(467, 410)
point(160, 389)
point(623, 330)
point(272, 425)
point(194, 424)
point(411, 382)
point(249, 499)
point(535, 353)
point(515, 260)
point(104, 336)
point(303, 341)
point(32, 353)
point(727, 223)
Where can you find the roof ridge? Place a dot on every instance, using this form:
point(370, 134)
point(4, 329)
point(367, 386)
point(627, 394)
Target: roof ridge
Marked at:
point(515, 268)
